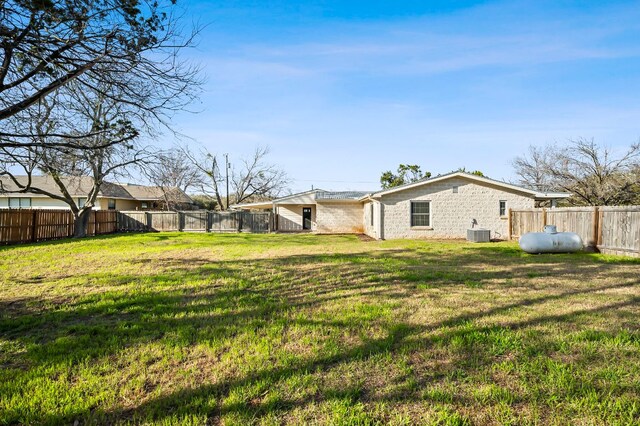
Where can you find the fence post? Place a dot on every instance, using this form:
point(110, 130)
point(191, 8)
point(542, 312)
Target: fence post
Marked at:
point(180, 221)
point(147, 216)
point(544, 217)
point(509, 225)
point(34, 227)
point(240, 217)
point(209, 221)
point(596, 226)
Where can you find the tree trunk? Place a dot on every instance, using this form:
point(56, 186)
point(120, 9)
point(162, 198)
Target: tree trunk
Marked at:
point(81, 223)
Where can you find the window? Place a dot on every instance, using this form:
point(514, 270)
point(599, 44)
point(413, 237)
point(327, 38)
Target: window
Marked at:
point(503, 208)
point(144, 205)
point(421, 213)
point(19, 203)
point(371, 213)
point(112, 204)
point(455, 189)
point(81, 202)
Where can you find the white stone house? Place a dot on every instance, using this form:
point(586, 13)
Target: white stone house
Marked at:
point(440, 207)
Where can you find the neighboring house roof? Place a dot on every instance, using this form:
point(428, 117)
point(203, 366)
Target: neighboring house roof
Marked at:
point(150, 193)
point(534, 194)
point(79, 186)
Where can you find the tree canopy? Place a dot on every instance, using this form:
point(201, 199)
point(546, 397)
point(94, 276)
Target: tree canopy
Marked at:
point(406, 173)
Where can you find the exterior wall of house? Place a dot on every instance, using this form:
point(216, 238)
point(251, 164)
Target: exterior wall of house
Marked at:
point(371, 218)
point(290, 217)
point(36, 202)
point(451, 213)
point(339, 217)
point(123, 205)
point(50, 203)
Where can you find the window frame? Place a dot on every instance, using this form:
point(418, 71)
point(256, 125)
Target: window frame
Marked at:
point(502, 210)
point(428, 215)
point(19, 202)
point(111, 206)
point(454, 189)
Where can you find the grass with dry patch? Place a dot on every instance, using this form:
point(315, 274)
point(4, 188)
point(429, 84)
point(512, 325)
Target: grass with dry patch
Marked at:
point(272, 329)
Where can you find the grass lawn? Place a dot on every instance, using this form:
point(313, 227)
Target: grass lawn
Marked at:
point(269, 329)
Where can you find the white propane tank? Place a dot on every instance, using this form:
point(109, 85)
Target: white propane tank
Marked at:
point(551, 241)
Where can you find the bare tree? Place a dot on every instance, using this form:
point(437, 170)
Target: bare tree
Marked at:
point(255, 177)
point(532, 168)
point(207, 164)
point(173, 169)
point(593, 173)
point(112, 147)
point(46, 45)
point(252, 178)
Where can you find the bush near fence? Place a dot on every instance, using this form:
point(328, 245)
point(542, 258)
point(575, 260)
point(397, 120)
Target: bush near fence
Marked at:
point(31, 225)
point(611, 230)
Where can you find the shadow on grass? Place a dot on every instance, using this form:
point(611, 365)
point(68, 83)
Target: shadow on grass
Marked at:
point(233, 302)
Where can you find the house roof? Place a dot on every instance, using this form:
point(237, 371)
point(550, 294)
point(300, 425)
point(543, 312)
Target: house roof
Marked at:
point(341, 195)
point(150, 193)
point(79, 186)
point(534, 194)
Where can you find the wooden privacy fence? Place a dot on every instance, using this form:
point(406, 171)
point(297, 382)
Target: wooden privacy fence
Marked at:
point(195, 221)
point(612, 230)
point(30, 225)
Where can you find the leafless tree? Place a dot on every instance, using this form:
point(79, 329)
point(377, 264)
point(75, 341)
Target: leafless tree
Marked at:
point(207, 164)
point(252, 178)
point(255, 177)
point(532, 168)
point(593, 173)
point(46, 45)
point(111, 149)
point(170, 170)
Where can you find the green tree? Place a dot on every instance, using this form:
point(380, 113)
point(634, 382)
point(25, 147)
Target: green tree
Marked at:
point(475, 172)
point(406, 173)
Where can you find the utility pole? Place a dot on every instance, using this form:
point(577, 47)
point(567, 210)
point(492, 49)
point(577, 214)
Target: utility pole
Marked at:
point(226, 166)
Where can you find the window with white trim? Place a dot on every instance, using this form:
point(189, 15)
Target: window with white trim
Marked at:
point(19, 202)
point(421, 213)
point(112, 204)
point(503, 208)
point(81, 202)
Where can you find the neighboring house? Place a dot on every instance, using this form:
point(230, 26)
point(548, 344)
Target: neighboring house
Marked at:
point(441, 207)
point(112, 196)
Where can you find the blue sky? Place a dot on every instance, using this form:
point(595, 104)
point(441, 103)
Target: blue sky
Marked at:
point(343, 90)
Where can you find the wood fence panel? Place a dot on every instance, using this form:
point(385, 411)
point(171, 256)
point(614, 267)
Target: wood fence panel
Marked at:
point(526, 220)
point(195, 221)
point(255, 222)
point(580, 220)
point(132, 221)
point(620, 230)
point(16, 226)
point(164, 221)
point(224, 222)
point(53, 224)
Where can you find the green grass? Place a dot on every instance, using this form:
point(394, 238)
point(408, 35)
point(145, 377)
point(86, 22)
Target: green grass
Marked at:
point(297, 329)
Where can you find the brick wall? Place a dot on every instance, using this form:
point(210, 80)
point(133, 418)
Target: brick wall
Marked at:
point(451, 213)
